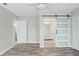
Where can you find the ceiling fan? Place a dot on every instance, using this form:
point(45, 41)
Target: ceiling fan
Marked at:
point(38, 5)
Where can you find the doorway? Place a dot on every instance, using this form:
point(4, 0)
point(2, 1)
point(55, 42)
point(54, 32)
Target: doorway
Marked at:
point(21, 31)
point(49, 31)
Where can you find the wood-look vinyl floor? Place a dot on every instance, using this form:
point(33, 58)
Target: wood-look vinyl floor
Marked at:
point(33, 50)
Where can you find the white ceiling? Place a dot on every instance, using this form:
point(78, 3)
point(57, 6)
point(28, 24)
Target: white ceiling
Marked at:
point(22, 9)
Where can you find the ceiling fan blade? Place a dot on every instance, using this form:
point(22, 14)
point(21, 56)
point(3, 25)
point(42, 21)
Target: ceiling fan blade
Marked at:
point(4, 3)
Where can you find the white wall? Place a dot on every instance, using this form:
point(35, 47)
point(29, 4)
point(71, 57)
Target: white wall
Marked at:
point(6, 29)
point(75, 29)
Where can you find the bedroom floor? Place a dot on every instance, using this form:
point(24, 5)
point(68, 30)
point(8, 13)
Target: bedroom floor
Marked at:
point(30, 49)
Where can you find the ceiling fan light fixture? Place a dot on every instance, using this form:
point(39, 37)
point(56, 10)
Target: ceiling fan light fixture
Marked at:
point(41, 6)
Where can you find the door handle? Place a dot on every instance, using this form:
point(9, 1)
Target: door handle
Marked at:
point(56, 31)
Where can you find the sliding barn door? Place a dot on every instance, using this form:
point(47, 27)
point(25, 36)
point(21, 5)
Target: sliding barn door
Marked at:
point(63, 32)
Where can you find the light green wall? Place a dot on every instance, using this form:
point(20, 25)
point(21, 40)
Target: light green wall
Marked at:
point(6, 29)
point(32, 28)
point(75, 32)
point(75, 29)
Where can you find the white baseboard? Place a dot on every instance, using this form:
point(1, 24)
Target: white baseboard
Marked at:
point(7, 49)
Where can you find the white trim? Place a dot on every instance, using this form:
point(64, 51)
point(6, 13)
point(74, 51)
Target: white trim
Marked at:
point(7, 49)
